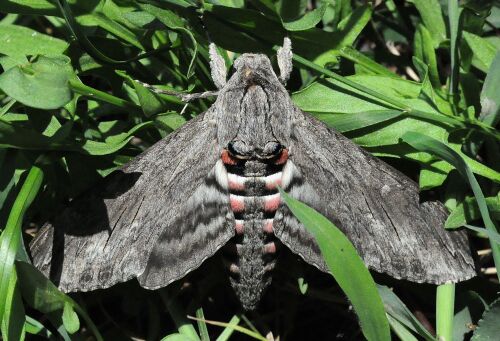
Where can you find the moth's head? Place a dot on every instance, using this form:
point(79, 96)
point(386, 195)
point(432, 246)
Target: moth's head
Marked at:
point(252, 69)
point(253, 110)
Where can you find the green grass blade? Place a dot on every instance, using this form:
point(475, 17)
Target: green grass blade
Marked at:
point(236, 327)
point(347, 268)
point(228, 331)
point(445, 309)
point(202, 326)
point(10, 239)
point(454, 21)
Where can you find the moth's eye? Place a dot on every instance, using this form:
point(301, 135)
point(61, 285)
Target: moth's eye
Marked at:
point(271, 149)
point(239, 149)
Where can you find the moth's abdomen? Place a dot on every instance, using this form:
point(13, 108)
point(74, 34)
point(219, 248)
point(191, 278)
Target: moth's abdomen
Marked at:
point(253, 194)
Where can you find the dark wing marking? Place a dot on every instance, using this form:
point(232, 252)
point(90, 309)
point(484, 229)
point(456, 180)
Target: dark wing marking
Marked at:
point(155, 205)
point(376, 206)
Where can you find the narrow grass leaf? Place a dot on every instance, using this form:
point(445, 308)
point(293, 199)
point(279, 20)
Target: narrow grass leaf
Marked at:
point(248, 332)
point(13, 327)
point(398, 311)
point(23, 41)
point(228, 331)
point(427, 144)
point(34, 327)
point(400, 330)
point(348, 52)
point(490, 96)
point(432, 17)
point(484, 51)
point(10, 239)
point(347, 268)
point(455, 35)
point(493, 236)
point(42, 295)
point(202, 326)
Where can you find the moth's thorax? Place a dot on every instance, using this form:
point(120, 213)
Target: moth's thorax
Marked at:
point(252, 186)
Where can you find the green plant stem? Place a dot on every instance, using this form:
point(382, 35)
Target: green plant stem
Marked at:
point(445, 308)
point(88, 91)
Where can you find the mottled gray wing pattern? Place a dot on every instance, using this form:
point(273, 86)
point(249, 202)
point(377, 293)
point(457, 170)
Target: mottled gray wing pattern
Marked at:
point(376, 206)
point(157, 218)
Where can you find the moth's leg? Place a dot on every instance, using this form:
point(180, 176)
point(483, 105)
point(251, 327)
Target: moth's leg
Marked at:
point(182, 96)
point(285, 60)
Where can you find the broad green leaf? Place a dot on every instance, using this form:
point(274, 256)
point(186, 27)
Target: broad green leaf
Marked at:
point(10, 238)
point(468, 211)
point(42, 84)
point(169, 121)
point(308, 20)
point(70, 318)
point(354, 121)
point(44, 7)
point(469, 307)
point(346, 267)
point(332, 96)
point(484, 51)
point(151, 104)
point(432, 17)
point(433, 174)
point(396, 309)
point(424, 143)
point(490, 96)
point(488, 327)
point(23, 41)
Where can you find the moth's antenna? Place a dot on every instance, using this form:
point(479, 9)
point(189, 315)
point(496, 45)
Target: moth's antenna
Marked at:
point(285, 60)
point(217, 64)
point(217, 67)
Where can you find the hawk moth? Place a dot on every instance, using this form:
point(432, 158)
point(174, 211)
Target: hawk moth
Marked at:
point(213, 184)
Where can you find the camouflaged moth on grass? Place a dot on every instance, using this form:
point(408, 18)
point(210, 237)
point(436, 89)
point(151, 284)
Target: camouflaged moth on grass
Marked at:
point(213, 184)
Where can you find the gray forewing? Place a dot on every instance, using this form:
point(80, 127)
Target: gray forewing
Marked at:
point(376, 206)
point(107, 235)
